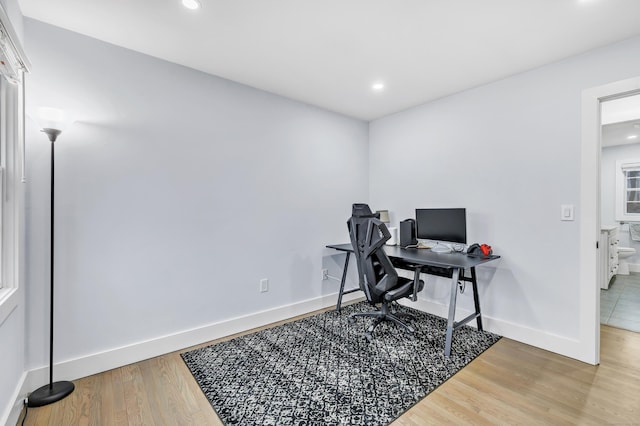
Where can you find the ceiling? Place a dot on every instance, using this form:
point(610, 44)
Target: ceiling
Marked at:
point(620, 120)
point(328, 53)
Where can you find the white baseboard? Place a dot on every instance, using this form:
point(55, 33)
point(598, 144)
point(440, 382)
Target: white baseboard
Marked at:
point(634, 267)
point(552, 342)
point(118, 357)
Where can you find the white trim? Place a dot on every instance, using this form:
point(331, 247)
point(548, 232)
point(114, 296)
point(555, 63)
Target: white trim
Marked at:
point(628, 165)
point(589, 297)
point(530, 336)
point(103, 361)
point(11, 200)
point(8, 302)
point(12, 411)
point(118, 357)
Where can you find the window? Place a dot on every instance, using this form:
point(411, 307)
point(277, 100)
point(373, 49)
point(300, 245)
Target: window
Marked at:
point(10, 191)
point(632, 192)
point(12, 67)
point(628, 190)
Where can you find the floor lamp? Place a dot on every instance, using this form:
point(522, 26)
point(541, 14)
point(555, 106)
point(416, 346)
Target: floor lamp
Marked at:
point(52, 121)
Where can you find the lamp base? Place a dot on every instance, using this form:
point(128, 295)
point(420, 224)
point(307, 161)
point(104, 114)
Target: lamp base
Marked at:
point(48, 394)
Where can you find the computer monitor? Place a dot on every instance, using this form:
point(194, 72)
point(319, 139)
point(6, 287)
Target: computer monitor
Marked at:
point(447, 225)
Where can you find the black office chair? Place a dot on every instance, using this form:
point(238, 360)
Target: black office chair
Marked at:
point(378, 278)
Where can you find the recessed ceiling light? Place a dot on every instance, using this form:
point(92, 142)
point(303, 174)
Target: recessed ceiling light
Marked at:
point(632, 137)
point(379, 86)
point(191, 4)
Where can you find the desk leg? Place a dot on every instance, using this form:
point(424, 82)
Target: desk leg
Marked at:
point(344, 279)
point(416, 282)
point(452, 312)
point(476, 298)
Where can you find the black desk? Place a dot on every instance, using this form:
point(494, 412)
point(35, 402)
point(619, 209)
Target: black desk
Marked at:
point(449, 265)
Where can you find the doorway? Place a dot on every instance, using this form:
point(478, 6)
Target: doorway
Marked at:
point(589, 298)
point(620, 212)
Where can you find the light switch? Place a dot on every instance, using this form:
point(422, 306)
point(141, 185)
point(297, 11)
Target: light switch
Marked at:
point(566, 212)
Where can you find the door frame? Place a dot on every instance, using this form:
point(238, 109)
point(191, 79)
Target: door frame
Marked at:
point(590, 209)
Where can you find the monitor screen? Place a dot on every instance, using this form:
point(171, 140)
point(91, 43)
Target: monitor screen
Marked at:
point(442, 225)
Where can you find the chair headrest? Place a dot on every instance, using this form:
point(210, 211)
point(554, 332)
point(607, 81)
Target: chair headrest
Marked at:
point(363, 210)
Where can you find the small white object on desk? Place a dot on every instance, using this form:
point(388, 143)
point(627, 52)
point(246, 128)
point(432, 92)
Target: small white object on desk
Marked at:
point(393, 241)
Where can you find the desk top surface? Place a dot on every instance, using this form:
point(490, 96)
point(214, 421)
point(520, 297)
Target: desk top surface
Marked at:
point(426, 257)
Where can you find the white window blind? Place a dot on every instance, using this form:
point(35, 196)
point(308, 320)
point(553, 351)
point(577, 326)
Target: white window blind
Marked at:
point(13, 61)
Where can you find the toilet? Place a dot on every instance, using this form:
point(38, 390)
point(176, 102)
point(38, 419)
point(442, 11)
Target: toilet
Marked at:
point(623, 254)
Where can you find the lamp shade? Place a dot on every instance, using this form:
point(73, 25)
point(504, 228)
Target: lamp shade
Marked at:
point(53, 118)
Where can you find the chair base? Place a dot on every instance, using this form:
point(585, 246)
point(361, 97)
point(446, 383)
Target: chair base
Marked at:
point(384, 314)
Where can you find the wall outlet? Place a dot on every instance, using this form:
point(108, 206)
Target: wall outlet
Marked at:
point(325, 274)
point(264, 285)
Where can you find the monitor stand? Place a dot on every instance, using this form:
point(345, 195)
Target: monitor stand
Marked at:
point(441, 248)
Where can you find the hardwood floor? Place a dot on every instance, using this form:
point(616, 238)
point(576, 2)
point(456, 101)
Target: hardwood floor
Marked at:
point(510, 383)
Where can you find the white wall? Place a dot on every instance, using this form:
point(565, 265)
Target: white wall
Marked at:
point(608, 190)
point(176, 192)
point(510, 153)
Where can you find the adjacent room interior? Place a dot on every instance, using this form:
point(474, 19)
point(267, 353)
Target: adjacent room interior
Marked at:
point(210, 155)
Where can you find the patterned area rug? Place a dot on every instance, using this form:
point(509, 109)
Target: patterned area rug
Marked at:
point(320, 370)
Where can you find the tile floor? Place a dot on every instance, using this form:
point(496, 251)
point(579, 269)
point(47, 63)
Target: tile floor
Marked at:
point(620, 304)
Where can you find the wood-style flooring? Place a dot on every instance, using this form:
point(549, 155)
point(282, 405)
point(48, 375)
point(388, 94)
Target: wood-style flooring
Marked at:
point(510, 383)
